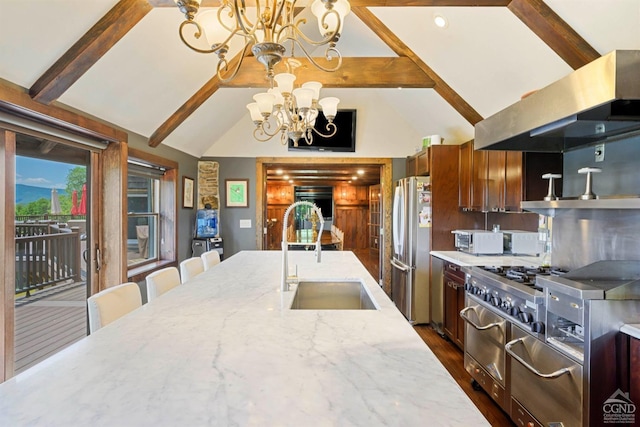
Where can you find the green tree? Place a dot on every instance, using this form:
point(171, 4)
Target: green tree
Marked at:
point(75, 179)
point(39, 207)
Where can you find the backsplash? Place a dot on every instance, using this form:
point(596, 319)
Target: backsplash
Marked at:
point(583, 236)
point(620, 173)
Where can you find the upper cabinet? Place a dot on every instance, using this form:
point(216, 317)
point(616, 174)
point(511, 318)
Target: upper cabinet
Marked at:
point(497, 181)
point(419, 163)
point(279, 194)
point(347, 194)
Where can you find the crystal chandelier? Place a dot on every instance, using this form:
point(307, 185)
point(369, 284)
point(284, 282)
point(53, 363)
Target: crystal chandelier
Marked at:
point(265, 32)
point(291, 112)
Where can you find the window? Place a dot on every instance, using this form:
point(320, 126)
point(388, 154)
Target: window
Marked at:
point(151, 213)
point(143, 195)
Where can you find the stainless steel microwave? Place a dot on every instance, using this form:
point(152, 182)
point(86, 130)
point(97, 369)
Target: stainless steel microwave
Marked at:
point(479, 242)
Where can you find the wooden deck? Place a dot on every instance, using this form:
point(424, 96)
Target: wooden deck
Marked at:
point(49, 321)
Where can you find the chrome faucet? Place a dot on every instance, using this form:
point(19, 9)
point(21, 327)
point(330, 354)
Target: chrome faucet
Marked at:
point(285, 244)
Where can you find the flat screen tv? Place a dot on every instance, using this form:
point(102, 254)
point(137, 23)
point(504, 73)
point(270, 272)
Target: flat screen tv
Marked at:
point(343, 141)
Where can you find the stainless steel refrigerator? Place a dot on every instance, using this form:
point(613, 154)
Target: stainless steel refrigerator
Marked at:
point(411, 230)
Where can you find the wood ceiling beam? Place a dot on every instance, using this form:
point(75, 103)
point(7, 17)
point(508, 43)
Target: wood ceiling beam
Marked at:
point(365, 3)
point(401, 49)
point(15, 99)
point(554, 31)
point(358, 72)
point(88, 50)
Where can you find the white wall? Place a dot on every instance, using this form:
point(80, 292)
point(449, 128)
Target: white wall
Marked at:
point(380, 132)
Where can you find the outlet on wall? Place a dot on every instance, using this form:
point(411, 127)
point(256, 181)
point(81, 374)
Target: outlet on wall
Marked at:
point(600, 153)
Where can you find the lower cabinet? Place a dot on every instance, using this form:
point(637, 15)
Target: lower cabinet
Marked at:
point(453, 302)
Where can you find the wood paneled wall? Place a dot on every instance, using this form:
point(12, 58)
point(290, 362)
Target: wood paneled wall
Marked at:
point(351, 213)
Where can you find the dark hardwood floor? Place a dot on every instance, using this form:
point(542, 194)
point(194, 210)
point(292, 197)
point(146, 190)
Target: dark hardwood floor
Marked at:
point(452, 359)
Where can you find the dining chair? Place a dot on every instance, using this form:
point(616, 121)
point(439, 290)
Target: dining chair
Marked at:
point(209, 259)
point(161, 281)
point(112, 303)
point(190, 268)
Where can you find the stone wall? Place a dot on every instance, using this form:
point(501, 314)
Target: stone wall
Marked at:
point(208, 188)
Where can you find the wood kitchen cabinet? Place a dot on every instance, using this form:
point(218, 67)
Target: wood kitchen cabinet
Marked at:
point(453, 302)
point(346, 194)
point(278, 194)
point(497, 181)
point(419, 163)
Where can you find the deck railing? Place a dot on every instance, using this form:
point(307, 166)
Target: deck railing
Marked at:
point(46, 259)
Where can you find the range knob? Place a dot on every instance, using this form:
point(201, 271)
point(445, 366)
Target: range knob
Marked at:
point(487, 297)
point(496, 301)
point(506, 305)
point(468, 287)
point(537, 327)
point(525, 317)
point(514, 311)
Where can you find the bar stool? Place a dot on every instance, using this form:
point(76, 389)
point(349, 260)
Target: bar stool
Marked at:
point(190, 268)
point(161, 281)
point(210, 258)
point(112, 303)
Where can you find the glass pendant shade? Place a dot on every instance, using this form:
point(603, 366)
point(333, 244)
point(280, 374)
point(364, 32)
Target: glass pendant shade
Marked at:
point(329, 106)
point(303, 97)
point(285, 82)
point(315, 87)
point(318, 9)
point(213, 31)
point(255, 112)
point(265, 102)
point(279, 99)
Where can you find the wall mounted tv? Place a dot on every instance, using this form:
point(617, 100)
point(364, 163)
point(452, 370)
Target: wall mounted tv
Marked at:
point(343, 141)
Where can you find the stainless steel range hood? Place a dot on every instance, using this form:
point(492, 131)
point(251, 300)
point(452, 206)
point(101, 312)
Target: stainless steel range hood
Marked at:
point(595, 102)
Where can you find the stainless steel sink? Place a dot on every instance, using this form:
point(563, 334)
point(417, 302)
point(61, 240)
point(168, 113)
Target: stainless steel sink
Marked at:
point(332, 295)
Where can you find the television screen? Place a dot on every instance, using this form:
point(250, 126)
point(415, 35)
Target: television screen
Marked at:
point(343, 141)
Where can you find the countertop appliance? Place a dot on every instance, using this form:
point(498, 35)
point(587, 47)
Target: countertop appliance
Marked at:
point(411, 227)
point(518, 242)
point(479, 242)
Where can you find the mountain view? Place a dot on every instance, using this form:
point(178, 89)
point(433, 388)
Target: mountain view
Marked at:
point(30, 193)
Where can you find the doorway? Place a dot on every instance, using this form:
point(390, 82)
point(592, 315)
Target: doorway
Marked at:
point(52, 224)
point(275, 194)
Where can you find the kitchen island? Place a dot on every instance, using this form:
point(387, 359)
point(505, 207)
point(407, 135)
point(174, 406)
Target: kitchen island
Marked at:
point(225, 349)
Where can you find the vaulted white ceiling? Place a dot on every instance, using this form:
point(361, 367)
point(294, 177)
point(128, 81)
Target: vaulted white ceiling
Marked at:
point(487, 55)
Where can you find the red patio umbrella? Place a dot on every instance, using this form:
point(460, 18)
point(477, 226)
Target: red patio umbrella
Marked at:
point(82, 209)
point(74, 202)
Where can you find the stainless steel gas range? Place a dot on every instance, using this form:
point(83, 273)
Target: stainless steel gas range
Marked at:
point(496, 298)
point(543, 346)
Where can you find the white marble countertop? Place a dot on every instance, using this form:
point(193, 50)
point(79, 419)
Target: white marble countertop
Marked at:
point(632, 329)
point(468, 260)
point(225, 349)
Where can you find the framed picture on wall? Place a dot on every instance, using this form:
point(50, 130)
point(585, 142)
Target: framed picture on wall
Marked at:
point(188, 191)
point(237, 195)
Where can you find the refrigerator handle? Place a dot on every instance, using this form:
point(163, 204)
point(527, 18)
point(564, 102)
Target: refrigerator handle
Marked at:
point(400, 267)
point(398, 218)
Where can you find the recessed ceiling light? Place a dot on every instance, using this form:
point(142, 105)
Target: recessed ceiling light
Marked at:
point(290, 181)
point(440, 21)
point(354, 177)
point(286, 177)
point(279, 171)
point(360, 171)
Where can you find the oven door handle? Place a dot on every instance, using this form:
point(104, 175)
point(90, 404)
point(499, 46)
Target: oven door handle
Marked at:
point(463, 314)
point(552, 375)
